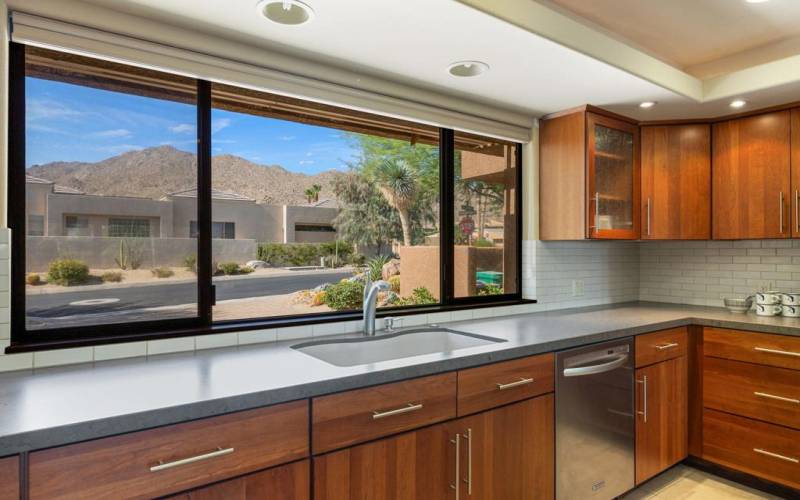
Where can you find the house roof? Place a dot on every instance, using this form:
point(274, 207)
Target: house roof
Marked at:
point(325, 203)
point(57, 188)
point(216, 194)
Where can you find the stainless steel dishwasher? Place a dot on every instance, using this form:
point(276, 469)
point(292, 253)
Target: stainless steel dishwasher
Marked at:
point(595, 441)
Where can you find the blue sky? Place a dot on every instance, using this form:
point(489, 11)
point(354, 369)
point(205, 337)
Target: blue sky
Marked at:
point(67, 122)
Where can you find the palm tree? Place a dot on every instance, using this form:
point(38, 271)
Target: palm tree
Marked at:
point(309, 192)
point(398, 184)
point(316, 188)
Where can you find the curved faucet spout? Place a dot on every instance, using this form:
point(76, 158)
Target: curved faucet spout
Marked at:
point(370, 304)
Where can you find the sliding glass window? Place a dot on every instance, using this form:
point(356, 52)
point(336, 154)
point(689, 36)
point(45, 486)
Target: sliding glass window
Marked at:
point(322, 200)
point(110, 153)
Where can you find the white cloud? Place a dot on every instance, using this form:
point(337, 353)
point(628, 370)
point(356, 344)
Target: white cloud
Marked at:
point(117, 132)
point(306, 162)
point(36, 109)
point(182, 128)
point(310, 153)
point(119, 148)
point(287, 137)
point(217, 125)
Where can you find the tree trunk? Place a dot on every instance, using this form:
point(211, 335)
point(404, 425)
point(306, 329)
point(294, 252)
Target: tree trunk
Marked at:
point(406, 224)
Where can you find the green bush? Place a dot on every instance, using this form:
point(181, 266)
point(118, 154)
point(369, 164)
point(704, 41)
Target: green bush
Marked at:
point(162, 272)
point(246, 270)
point(394, 281)
point(345, 295)
point(302, 254)
point(229, 268)
point(190, 262)
point(490, 290)
point(67, 272)
point(111, 277)
point(33, 279)
point(375, 266)
point(419, 296)
point(482, 242)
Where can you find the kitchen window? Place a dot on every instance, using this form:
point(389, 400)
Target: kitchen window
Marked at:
point(234, 209)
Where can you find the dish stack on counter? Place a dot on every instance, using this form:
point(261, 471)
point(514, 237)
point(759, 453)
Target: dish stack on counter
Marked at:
point(778, 304)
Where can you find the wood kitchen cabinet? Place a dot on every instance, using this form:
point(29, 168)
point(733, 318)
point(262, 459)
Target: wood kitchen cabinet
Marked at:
point(676, 182)
point(589, 176)
point(288, 482)
point(662, 437)
point(503, 453)
point(751, 180)
point(9, 478)
point(795, 194)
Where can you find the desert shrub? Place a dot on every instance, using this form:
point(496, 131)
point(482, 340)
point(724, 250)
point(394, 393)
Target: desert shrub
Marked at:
point(490, 290)
point(482, 242)
point(419, 296)
point(318, 299)
point(190, 262)
point(67, 272)
point(33, 279)
point(229, 268)
point(375, 266)
point(345, 295)
point(129, 255)
point(302, 254)
point(394, 281)
point(162, 272)
point(111, 277)
point(246, 270)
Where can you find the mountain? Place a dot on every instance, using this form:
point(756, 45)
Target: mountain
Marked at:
point(154, 172)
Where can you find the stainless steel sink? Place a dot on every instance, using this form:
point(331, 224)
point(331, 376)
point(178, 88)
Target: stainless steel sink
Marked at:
point(404, 344)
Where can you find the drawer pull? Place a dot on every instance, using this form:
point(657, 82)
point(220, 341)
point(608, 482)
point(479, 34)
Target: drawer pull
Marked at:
point(779, 398)
point(776, 351)
point(186, 461)
point(521, 381)
point(399, 411)
point(666, 346)
point(775, 455)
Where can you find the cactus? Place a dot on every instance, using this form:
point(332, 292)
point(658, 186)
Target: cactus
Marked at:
point(128, 257)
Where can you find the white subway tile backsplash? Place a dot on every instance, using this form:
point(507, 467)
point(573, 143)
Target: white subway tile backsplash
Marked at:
point(294, 332)
point(257, 336)
point(120, 351)
point(216, 340)
point(165, 346)
point(42, 359)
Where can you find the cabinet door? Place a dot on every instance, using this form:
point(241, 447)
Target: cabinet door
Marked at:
point(795, 195)
point(9, 478)
point(508, 452)
point(676, 182)
point(613, 184)
point(661, 423)
point(288, 482)
point(419, 464)
point(751, 177)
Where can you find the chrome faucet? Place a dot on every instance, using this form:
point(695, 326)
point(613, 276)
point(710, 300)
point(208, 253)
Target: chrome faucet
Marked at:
point(370, 302)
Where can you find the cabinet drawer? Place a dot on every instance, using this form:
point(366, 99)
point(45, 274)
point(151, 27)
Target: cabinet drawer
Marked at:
point(661, 346)
point(154, 462)
point(287, 482)
point(765, 450)
point(760, 348)
point(355, 416)
point(497, 384)
point(9, 478)
point(756, 391)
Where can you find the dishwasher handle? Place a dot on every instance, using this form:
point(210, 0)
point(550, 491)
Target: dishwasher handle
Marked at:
point(618, 361)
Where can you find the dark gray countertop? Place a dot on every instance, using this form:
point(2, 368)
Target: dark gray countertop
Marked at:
point(56, 406)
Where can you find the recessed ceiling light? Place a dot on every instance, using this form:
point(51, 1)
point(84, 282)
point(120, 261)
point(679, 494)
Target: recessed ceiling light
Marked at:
point(286, 12)
point(647, 104)
point(467, 68)
point(738, 103)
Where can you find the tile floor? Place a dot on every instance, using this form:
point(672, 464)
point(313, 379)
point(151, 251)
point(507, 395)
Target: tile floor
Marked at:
point(682, 482)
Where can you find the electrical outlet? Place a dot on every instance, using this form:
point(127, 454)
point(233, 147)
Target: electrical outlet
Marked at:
point(577, 288)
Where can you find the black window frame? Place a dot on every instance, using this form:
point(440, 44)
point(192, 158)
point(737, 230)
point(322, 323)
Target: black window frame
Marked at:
point(23, 340)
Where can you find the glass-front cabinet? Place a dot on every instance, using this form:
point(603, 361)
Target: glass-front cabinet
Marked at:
point(612, 178)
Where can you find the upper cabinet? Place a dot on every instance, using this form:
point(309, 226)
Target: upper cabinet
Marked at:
point(795, 204)
point(589, 180)
point(752, 177)
point(676, 182)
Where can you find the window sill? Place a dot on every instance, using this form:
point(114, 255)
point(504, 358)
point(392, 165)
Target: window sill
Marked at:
point(241, 326)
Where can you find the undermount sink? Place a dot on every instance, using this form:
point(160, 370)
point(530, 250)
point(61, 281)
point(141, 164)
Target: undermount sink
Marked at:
point(405, 344)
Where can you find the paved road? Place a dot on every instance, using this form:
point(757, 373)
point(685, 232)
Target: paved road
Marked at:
point(52, 305)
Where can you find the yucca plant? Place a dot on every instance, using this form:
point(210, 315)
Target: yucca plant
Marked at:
point(398, 184)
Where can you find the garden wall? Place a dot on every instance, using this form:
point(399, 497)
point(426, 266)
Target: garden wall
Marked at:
point(100, 252)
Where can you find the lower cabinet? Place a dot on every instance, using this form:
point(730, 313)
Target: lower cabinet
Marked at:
point(9, 478)
point(661, 417)
point(503, 453)
point(288, 482)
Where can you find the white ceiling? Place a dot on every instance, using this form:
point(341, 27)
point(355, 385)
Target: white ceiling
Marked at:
point(413, 42)
point(702, 37)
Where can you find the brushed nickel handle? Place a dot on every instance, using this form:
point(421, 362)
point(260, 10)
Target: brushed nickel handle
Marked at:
point(780, 217)
point(455, 484)
point(186, 461)
point(778, 398)
point(399, 411)
point(777, 351)
point(597, 212)
point(670, 345)
point(521, 381)
point(776, 455)
point(468, 480)
point(648, 216)
point(643, 413)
